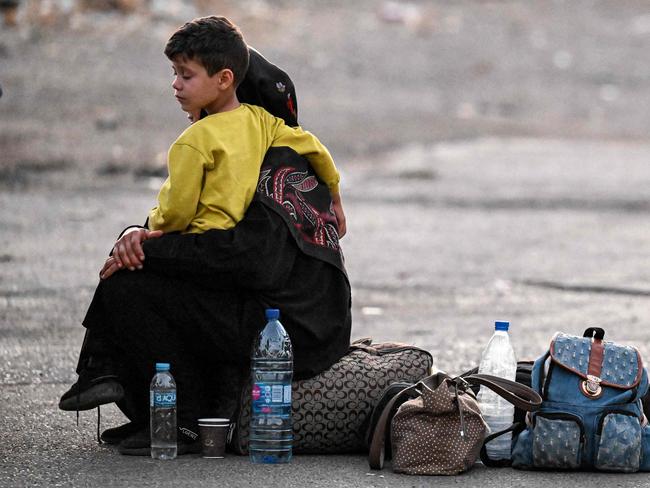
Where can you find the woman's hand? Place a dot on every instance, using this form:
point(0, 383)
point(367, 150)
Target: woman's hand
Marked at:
point(337, 206)
point(127, 251)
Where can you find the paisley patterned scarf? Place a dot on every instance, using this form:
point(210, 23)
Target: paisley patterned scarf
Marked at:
point(289, 186)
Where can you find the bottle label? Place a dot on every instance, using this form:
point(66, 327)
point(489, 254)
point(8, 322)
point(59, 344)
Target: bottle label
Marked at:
point(265, 396)
point(165, 399)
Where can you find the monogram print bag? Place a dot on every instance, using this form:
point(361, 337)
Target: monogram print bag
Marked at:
point(331, 411)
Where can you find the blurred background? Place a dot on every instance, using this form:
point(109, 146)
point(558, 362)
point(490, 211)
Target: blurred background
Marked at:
point(86, 82)
point(494, 157)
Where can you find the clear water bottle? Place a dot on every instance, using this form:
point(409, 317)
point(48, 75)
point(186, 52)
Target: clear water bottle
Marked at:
point(162, 394)
point(271, 435)
point(499, 360)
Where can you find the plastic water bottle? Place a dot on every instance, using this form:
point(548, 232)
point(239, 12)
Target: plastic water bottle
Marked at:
point(271, 436)
point(498, 360)
point(162, 394)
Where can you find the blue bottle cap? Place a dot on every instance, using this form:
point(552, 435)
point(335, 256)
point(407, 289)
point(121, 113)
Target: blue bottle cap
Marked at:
point(272, 313)
point(500, 325)
point(162, 366)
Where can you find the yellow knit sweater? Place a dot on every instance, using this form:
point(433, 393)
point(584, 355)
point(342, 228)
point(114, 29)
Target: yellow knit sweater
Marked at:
point(214, 166)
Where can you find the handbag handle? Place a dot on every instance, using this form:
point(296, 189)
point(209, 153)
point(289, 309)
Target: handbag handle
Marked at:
point(377, 452)
point(521, 396)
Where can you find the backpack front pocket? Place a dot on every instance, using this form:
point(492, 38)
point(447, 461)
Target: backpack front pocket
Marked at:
point(619, 447)
point(557, 441)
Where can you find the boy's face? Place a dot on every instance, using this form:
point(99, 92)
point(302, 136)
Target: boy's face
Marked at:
point(194, 89)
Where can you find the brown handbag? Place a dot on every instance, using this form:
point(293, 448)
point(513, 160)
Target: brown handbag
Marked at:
point(438, 428)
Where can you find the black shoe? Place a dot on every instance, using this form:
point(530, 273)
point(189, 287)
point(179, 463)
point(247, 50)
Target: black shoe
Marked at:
point(94, 387)
point(139, 444)
point(118, 434)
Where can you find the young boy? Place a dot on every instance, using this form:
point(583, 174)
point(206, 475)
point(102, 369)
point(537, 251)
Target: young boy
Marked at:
point(214, 165)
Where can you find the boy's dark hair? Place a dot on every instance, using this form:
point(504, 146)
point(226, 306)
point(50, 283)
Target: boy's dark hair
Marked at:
point(213, 41)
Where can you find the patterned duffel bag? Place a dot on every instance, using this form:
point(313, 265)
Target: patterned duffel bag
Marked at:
point(331, 411)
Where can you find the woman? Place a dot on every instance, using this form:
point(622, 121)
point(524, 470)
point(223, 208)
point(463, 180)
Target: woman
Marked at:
point(197, 301)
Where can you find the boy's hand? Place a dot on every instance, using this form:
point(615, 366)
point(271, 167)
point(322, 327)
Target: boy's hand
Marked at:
point(127, 252)
point(337, 206)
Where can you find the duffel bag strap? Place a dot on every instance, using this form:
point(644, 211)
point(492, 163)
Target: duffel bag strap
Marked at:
point(363, 344)
point(519, 395)
point(377, 451)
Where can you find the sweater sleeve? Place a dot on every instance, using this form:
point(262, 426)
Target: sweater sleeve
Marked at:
point(179, 196)
point(306, 144)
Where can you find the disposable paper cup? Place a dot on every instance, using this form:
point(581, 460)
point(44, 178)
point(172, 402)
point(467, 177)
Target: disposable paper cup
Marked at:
point(213, 437)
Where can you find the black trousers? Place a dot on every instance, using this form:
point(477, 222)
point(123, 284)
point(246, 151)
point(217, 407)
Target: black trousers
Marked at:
point(198, 304)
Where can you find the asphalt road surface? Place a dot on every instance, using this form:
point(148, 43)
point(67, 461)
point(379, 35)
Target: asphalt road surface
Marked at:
point(443, 240)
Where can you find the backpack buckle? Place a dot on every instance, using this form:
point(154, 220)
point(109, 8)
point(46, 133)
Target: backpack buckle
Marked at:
point(591, 386)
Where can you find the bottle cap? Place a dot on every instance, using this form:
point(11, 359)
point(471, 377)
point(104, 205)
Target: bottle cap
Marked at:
point(272, 313)
point(162, 366)
point(500, 325)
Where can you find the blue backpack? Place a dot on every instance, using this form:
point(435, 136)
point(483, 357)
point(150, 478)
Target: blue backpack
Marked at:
point(591, 415)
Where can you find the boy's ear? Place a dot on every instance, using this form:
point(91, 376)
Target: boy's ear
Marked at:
point(226, 78)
